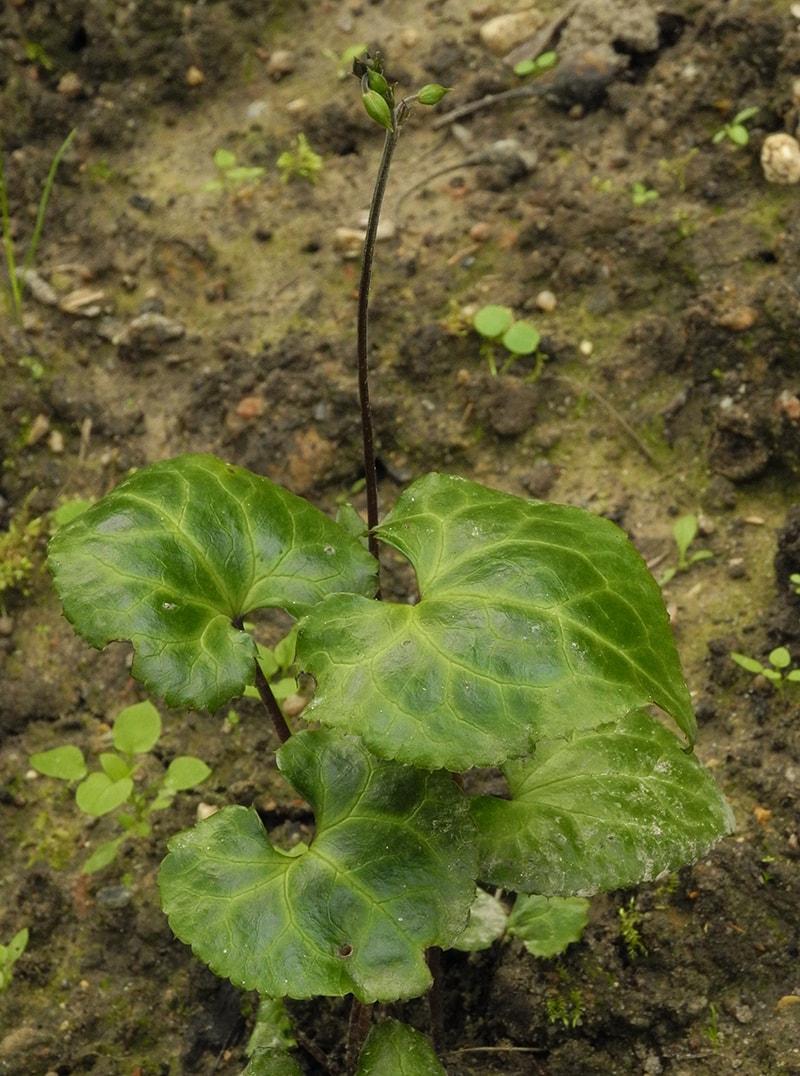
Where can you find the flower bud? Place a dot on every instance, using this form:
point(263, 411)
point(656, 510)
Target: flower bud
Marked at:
point(432, 93)
point(377, 109)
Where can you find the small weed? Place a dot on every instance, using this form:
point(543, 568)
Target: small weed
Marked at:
point(684, 532)
point(136, 731)
point(545, 62)
point(676, 167)
point(711, 1031)
point(565, 1008)
point(629, 922)
point(795, 580)
point(641, 194)
point(496, 324)
point(735, 131)
point(15, 273)
point(9, 955)
point(37, 54)
point(232, 175)
point(17, 551)
point(302, 161)
point(779, 660)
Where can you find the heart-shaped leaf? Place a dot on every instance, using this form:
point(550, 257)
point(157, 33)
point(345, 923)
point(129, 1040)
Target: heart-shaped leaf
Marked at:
point(98, 793)
point(182, 549)
point(535, 620)
point(600, 810)
point(389, 872)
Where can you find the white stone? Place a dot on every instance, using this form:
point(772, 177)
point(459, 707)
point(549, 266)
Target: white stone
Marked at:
point(502, 33)
point(780, 159)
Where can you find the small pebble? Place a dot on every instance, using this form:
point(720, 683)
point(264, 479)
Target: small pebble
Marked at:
point(502, 33)
point(280, 64)
point(6, 626)
point(114, 896)
point(194, 76)
point(480, 232)
point(736, 568)
point(780, 159)
point(586, 347)
point(205, 810)
point(70, 86)
point(546, 301)
point(297, 107)
point(409, 37)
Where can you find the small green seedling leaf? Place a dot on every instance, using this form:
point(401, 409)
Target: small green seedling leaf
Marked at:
point(179, 552)
point(387, 875)
point(487, 923)
point(395, 1049)
point(547, 925)
point(67, 763)
point(747, 663)
point(185, 772)
point(684, 532)
point(9, 955)
point(116, 767)
point(521, 339)
point(492, 321)
point(780, 657)
point(544, 62)
point(224, 159)
point(137, 729)
point(626, 800)
point(103, 856)
point(272, 1039)
point(519, 633)
point(98, 794)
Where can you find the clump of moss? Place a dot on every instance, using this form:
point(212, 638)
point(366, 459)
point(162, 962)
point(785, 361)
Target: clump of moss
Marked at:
point(18, 554)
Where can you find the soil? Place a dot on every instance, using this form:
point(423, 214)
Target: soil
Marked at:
point(161, 316)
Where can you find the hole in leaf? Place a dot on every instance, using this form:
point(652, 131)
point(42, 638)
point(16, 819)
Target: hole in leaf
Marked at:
point(344, 951)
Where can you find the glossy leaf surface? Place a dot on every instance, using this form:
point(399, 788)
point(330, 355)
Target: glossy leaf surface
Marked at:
point(389, 872)
point(603, 809)
point(535, 620)
point(176, 553)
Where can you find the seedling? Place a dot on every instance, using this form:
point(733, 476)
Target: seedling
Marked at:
point(795, 580)
point(231, 174)
point(735, 131)
point(545, 925)
point(538, 645)
point(544, 62)
point(641, 194)
point(9, 955)
point(779, 660)
point(301, 161)
point(684, 533)
point(17, 274)
point(18, 557)
point(630, 920)
point(496, 324)
point(711, 1031)
point(136, 731)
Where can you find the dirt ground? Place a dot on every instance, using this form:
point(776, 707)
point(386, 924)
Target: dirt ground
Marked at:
point(162, 316)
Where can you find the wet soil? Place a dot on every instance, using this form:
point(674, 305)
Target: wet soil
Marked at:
point(164, 317)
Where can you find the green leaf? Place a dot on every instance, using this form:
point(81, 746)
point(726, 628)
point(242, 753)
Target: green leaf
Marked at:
point(535, 620)
point(67, 763)
point(684, 532)
point(285, 649)
point(388, 874)
point(224, 159)
point(103, 856)
point(521, 338)
point(184, 772)
point(17, 946)
point(547, 925)
point(780, 657)
point(740, 136)
point(115, 767)
point(271, 1040)
point(176, 553)
point(395, 1049)
point(137, 728)
point(98, 794)
point(600, 810)
point(487, 922)
point(492, 321)
point(750, 664)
